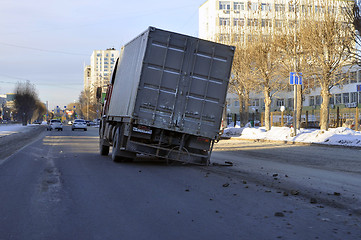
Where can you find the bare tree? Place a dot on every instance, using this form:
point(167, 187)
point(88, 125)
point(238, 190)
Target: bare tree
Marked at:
point(327, 40)
point(265, 68)
point(25, 101)
point(39, 112)
point(87, 109)
point(242, 80)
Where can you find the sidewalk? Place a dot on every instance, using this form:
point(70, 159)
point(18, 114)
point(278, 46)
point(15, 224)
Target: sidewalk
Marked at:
point(15, 136)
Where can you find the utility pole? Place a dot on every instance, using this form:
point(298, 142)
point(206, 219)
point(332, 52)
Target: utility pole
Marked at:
point(295, 71)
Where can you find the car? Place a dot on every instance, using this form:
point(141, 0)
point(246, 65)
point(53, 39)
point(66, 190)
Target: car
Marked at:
point(70, 123)
point(79, 124)
point(55, 124)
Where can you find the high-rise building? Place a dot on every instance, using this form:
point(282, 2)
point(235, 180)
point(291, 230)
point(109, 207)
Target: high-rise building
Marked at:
point(97, 74)
point(87, 77)
point(236, 20)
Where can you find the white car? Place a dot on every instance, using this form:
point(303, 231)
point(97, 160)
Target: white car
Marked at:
point(79, 124)
point(55, 124)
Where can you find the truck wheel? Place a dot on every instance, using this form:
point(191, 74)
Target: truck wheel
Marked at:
point(104, 149)
point(117, 154)
point(116, 146)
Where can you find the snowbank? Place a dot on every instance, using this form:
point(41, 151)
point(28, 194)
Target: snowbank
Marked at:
point(334, 136)
point(7, 129)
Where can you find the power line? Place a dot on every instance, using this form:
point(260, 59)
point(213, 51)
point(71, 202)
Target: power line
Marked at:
point(69, 86)
point(42, 50)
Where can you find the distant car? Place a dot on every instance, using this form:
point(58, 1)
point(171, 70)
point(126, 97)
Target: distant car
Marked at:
point(79, 124)
point(55, 124)
point(37, 122)
point(70, 123)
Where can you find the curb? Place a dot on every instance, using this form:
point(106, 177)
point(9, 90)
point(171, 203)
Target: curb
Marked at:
point(290, 142)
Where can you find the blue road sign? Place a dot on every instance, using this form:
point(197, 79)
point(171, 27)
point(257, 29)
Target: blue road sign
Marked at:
point(295, 79)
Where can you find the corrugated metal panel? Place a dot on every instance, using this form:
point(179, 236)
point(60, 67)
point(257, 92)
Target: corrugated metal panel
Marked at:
point(183, 83)
point(127, 77)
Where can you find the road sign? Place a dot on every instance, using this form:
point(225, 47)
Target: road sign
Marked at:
point(295, 78)
point(359, 88)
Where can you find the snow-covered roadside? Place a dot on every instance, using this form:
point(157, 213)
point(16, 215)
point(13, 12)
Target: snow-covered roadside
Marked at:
point(8, 129)
point(334, 136)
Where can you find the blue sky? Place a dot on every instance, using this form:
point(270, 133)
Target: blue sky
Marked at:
point(48, 41)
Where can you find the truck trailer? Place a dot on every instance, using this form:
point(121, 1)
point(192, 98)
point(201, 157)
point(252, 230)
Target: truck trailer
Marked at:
point(166, 98)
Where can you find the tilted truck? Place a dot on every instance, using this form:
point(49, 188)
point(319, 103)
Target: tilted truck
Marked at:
point(166, 98)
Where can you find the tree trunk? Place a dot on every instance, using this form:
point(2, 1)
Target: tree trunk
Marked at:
point(241, 110)
point(246, 107)
point(267, 110)
point(299, 106)
point(324, 119)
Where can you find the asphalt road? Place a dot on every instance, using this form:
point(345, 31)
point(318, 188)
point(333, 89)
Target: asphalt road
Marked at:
point(59, 187)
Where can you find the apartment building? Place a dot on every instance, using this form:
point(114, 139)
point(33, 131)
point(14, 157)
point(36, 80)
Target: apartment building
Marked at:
point(234, 21)
point(98, 73)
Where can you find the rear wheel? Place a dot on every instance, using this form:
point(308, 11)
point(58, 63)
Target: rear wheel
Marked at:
point(116, 146)
point(104, 149)
point(119, 155)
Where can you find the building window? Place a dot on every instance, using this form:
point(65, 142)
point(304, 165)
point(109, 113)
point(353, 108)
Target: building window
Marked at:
point(223, 21)
point(359, 97)
point(238, 6)
point(255, 103)
point(266, 7)
point(280, 102)
point(354, 97)
point(266, 23)
point(338, 99)
point(279, 23)
point(236, 103)
point(306, 8)
point(279, 7)
point(251, 38)
point(291, 8)
point(318, 100)
point(346, 98)
point(253, 6)
point(99, 55)
point(353, 77)
point(224, 5)
point(223, 37)
point(312, 100)
point(252, 22)
point(238, 22)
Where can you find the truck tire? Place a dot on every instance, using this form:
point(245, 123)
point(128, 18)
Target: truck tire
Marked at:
point(104, 149)
point(117, 154)
point(116, 146)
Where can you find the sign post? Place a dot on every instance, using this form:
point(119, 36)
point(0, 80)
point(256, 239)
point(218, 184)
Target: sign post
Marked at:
point(295, 79)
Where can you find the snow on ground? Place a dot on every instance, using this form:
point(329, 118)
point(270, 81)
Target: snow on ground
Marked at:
point(8, 129)
point(334, 136)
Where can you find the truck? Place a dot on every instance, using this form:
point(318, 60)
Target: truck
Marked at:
point(166, 98)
